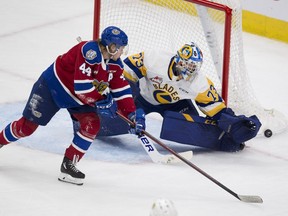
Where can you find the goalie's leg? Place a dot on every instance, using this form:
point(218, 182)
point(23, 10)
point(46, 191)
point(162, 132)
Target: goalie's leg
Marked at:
point(197, 131)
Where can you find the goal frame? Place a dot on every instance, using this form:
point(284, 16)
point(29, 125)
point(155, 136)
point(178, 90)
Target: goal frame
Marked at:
point(227, 36)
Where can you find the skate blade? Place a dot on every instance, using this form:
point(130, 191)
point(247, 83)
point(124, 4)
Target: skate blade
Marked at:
point(69, 179)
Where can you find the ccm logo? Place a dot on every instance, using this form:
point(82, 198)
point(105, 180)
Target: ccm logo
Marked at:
point(146, 143)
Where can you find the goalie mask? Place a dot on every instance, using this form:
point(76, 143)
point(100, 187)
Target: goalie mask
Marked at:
point(188, 60)
point(114, 35)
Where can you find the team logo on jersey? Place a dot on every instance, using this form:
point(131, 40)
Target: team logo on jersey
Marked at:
point(91, 54)
point(156, 79)
point(162, 97)
point(165, 93)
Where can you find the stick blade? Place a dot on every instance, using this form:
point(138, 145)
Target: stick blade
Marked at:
point(250, 199)
point(169, 159)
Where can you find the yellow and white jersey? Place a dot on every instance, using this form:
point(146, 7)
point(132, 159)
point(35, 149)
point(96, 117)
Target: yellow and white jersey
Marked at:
point(158, 85)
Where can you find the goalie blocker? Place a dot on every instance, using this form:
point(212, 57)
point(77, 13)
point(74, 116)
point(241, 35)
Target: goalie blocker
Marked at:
point(227, 134)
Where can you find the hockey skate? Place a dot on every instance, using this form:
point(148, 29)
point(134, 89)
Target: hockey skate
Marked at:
point(69, 172)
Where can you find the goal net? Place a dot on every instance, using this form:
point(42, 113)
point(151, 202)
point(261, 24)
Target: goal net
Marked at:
point(216, 27)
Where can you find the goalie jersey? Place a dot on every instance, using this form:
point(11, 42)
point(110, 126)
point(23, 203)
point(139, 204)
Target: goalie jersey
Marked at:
point(153, 72)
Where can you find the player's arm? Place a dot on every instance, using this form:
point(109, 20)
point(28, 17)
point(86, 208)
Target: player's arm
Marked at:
point(209, 101)
point(241, 128)
point(122, 94)
point(87, 61)
point(120, 89)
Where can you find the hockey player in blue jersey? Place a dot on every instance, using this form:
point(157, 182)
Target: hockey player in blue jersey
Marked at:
point(166, 83)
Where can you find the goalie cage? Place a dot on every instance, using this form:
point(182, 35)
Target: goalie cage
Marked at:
point(216, 26)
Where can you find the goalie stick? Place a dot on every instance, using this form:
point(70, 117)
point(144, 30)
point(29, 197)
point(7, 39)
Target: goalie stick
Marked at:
point(243, 198)
point(153, 153)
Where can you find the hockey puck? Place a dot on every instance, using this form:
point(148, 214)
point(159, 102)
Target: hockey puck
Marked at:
point(268, 133)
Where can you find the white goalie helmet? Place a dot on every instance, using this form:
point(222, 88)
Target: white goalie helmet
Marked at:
point(188, 61)
point(163, 207)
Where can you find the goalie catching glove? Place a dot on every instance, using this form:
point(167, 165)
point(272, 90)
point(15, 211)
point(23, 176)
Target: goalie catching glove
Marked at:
point(240, 128)
point(138, 117)
point(107, 107)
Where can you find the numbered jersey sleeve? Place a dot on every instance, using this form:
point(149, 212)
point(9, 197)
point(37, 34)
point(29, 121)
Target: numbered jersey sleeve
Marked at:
point(134, 68)
point(209, 101)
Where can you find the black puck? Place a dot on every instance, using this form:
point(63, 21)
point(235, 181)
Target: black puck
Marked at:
point(268, 133)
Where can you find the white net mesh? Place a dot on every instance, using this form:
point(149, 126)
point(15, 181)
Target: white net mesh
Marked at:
point(170, 24)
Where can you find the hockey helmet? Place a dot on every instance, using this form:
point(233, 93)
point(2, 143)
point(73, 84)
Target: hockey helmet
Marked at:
point(163, 207)
point(189, 60)
point(114, 35)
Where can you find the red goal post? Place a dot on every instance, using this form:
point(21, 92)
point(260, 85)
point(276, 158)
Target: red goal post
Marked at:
point(215, 25)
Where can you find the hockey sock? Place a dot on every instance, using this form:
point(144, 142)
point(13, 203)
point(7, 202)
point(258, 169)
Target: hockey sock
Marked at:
point(79, 146)
point(16, 130)
point(7, 135)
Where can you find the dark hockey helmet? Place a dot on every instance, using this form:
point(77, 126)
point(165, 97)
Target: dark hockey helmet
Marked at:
point(114, 35)
point(189, 60)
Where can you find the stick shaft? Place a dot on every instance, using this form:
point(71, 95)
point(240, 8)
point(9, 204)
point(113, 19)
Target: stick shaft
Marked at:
point(254, 199)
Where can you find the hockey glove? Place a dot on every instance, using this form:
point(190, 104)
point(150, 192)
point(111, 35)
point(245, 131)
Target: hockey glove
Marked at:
point(138, 117)
point(107, 107)
point(101, 87)
point(240, 128)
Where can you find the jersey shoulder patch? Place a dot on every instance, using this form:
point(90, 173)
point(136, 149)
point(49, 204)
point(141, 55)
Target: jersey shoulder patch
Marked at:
point(91, 53)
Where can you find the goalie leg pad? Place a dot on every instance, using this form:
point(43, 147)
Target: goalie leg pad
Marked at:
point(112, 127)
point(197, 131)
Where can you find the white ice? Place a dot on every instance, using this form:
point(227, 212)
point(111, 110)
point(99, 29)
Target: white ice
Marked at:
point(120, 178)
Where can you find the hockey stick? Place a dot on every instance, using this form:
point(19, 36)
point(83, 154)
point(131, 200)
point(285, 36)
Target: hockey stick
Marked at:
point(153, 153)
point(244, 198)
point(156, 157)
